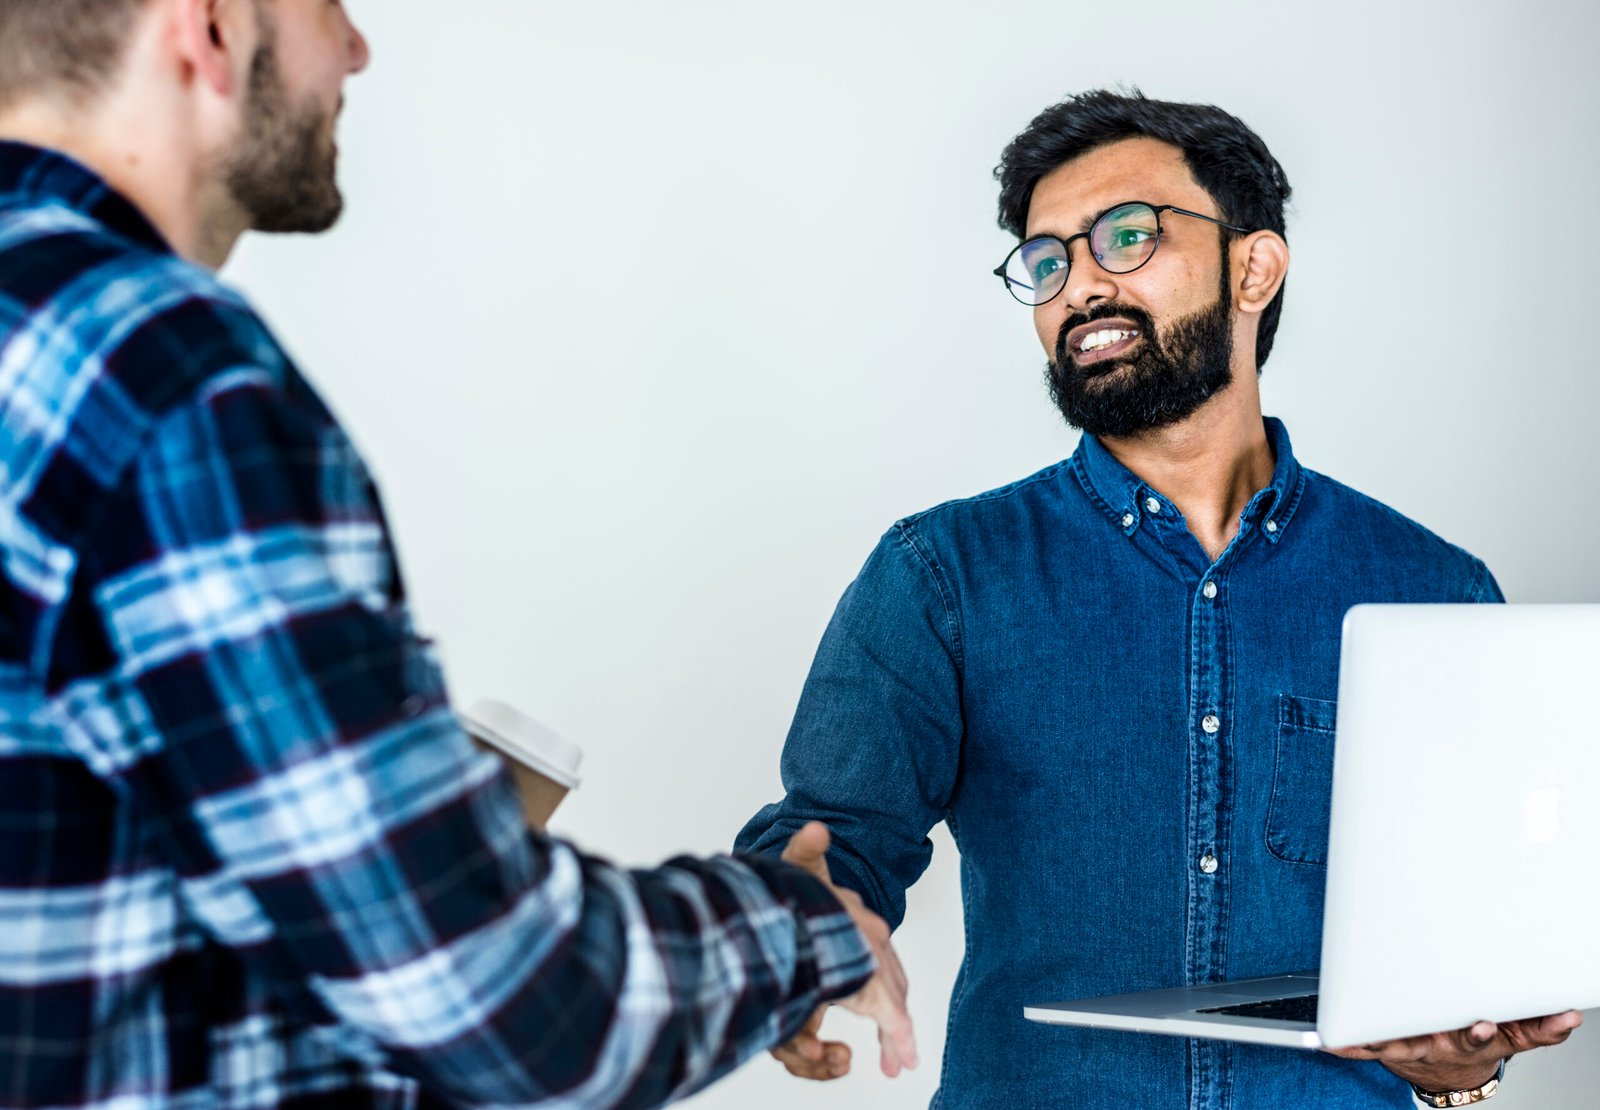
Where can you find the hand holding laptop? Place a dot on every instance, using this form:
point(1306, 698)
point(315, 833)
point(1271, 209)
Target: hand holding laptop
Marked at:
point(1457, 726)
point(1464, 1058)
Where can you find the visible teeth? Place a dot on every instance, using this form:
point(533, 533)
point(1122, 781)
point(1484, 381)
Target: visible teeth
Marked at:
point(1097, 339)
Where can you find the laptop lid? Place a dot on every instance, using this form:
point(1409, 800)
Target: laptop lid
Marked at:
point(1464, 855)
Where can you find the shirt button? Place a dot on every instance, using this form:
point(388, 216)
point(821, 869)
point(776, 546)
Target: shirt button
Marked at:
point(413, 705)
point(1211, 722)
point(1272, 526)
point(1210, 590)
point(1152, 506)
point(1208, 863)
point(1127, 520)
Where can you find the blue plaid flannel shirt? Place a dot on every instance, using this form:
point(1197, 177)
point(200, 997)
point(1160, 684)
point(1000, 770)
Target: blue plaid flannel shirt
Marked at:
point(247, 857)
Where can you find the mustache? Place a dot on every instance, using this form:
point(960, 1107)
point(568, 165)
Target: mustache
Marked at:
point(1136, 316)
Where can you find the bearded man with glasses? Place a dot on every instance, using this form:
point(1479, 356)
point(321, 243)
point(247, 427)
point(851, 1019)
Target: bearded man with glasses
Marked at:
point(1115, 679)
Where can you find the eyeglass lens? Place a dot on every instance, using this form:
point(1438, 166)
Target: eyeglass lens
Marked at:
point(1122, 240)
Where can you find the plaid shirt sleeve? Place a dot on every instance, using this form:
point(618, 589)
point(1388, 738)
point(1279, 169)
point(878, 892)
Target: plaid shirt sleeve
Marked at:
point(281, 723)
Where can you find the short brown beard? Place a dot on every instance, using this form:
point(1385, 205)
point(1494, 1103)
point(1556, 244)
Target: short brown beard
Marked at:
point(282, 173)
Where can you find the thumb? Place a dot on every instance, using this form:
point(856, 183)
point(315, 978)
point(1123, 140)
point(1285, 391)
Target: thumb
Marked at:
point(808, 849)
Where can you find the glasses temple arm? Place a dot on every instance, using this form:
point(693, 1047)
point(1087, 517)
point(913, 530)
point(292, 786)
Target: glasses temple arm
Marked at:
point(1201, 216)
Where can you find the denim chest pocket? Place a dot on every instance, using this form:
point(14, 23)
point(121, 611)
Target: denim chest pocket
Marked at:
point(1302, 780)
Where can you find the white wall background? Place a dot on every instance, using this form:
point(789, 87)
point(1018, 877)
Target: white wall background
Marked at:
point(651, 317)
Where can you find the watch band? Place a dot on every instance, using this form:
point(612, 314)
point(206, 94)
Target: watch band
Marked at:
point(1461, 1098)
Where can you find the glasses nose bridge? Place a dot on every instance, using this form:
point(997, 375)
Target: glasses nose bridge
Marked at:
point(1066, 249)
point(1079, 275)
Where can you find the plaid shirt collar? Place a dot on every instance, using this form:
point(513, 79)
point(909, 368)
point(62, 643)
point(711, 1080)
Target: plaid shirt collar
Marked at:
point(29, 174)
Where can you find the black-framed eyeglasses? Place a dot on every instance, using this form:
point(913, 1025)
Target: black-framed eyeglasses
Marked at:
point(1122, 238)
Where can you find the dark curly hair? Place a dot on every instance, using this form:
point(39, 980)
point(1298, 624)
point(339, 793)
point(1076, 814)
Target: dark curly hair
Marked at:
point(1228, 160)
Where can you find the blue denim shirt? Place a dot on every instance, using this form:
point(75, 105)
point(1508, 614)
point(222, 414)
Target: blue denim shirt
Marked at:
point(1048, 668)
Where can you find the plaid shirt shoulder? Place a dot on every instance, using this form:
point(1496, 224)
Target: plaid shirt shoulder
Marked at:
point(250, 858)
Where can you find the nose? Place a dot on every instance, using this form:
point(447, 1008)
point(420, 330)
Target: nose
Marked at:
point(1087, 284)
point(356, 45)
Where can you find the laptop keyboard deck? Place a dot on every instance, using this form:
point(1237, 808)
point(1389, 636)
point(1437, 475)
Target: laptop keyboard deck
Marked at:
point(1300, 1008)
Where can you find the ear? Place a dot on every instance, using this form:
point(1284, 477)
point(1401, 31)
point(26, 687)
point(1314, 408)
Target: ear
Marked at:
point(1261, 262)
point(216, 39)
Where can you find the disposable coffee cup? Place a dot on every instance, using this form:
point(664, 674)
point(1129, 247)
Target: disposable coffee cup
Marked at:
point(543, 762)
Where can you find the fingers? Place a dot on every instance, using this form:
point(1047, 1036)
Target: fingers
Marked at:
point(831, 1059)
point(808, 849)
point(888, 1055)
point(1405, 1050)
point(810, 1057)
point(1561, 1025)
point(1396, 1052)
point(1543, 1032)
point(813, 1023)
point(1354, 1052)
point(806, 1042)
point(1468, 1050)
point(883, 1000)
point(898, 1047)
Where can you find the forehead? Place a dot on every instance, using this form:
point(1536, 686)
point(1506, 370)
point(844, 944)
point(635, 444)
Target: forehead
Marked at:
point(1129, 169)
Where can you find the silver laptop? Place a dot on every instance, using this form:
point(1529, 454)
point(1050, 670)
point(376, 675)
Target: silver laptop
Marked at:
point(1466, 809)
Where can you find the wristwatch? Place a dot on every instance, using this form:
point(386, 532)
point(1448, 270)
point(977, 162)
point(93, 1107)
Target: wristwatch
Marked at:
point(1460, 1098)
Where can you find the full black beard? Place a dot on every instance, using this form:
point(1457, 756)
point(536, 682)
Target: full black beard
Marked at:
point(1161, 383)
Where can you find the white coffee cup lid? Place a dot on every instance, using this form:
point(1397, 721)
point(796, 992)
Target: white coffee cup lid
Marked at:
point(524, 739)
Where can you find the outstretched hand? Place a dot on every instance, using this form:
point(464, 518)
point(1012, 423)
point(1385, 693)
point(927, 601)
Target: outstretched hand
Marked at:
point(883, 998)
point(1464, 1058)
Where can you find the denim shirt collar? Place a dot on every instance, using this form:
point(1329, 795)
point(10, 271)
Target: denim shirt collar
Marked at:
point(30, 174)
point(1122, 495)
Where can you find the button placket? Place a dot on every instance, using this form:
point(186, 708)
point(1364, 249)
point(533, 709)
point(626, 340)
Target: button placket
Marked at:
point(1210, 815)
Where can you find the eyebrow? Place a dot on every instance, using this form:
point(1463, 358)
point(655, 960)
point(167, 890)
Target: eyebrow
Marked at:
point(1086, 223)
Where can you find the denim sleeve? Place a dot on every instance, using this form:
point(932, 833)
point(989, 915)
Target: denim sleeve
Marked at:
point(876, 742)
point(1485, 590)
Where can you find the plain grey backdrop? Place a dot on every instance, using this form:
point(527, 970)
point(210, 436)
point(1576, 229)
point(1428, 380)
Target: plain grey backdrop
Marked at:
point(652, 317)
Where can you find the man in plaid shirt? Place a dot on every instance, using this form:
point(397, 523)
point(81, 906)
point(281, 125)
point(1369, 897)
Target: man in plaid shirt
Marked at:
point(248, 857)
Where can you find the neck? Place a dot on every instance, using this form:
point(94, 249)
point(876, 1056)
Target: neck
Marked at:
point(148, 156)
point(1210, 464)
